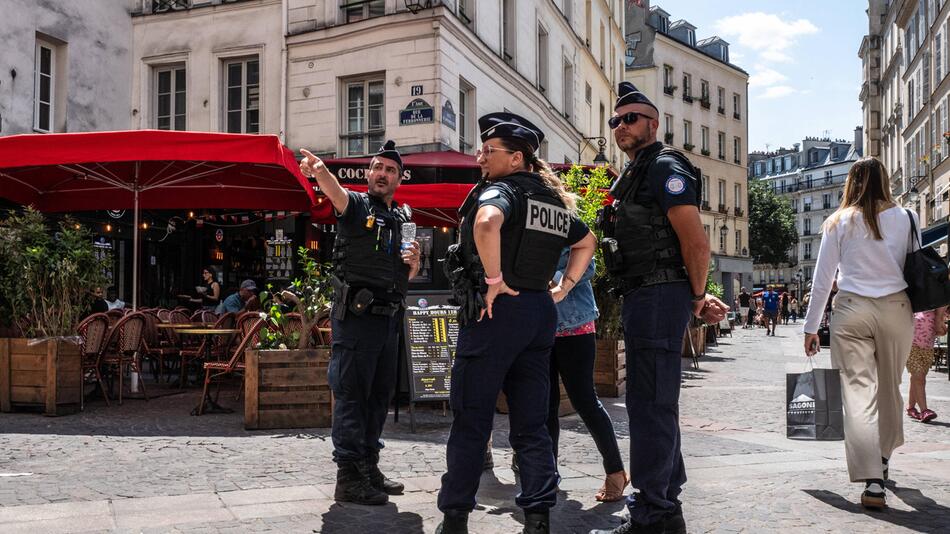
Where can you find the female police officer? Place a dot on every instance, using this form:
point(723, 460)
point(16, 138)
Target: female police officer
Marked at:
point(511, 235)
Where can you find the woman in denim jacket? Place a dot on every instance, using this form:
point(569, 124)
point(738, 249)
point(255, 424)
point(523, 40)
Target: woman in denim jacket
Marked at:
point(573, 360)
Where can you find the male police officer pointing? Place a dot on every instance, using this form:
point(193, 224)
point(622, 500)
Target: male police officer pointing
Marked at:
point(510, 240)
point(371, 278)
point(657, 254)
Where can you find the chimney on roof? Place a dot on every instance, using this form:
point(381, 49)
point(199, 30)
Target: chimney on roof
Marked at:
point(859, 140)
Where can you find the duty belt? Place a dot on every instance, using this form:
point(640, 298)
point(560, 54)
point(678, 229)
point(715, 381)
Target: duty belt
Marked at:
point(660, 276)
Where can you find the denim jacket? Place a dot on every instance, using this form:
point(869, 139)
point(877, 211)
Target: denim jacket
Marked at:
point(578, 307)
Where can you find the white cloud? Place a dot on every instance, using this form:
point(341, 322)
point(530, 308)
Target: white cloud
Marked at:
point(766, 33)
point(765, 77)
point(778, 91)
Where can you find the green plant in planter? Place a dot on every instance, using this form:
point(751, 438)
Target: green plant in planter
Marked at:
point(312, 293)
point(591, 189)
point(46, 276)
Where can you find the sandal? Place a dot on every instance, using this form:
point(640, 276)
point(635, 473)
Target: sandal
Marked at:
point(927, 415)
point(913, 413)
point(613, 487)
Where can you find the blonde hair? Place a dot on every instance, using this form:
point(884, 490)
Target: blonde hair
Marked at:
point(866, 190)
point(543, 169)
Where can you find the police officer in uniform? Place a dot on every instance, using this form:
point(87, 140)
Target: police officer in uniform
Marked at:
point(657, 255)
point(370, 279)
point(513, 227)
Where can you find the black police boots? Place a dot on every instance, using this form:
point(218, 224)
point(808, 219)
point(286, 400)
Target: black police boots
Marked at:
point(370, 469)
point(453, 523)
point(353, 486)
point(537, 523)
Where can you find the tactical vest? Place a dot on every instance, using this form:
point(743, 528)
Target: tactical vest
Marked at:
point(368, 255)
point(531, 244)
point(644, 234)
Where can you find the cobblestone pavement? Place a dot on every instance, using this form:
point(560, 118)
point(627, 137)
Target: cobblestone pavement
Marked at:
point(150, 467)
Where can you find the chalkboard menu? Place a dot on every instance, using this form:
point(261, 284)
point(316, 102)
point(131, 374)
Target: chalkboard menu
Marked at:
point(430, 336)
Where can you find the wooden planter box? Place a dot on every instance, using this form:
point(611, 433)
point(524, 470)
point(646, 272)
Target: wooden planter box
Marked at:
point(610, 368)
point(699, 336)
point(287, 389)
point(564, 406)
point(46, 375)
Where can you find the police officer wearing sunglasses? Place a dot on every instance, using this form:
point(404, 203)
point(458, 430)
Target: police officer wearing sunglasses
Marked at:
point(512, 232)
point(657, 255)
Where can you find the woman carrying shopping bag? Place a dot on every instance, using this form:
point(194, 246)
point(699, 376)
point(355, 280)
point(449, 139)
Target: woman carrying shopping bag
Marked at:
point(866, 241)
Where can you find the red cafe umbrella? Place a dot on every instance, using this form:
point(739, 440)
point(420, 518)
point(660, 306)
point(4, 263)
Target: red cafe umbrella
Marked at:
point(150, 169)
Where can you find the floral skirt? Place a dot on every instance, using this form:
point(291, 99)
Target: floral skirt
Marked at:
point(920, 360)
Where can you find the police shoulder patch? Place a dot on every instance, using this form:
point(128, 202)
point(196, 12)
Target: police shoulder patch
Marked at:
point(489, 194)
point(675, 184)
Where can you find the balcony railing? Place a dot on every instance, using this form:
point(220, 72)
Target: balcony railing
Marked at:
point(723, 208)
point(706, 205)
point(736, 116)
point(704, 102)
point(721, 110)
point(806, 207)
point(687, 98)
point(738, 211)
point(668, 89)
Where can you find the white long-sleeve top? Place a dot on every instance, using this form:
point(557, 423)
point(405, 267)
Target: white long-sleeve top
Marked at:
point(865, 266)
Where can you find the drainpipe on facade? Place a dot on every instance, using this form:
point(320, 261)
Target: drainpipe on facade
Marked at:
point(282, 134)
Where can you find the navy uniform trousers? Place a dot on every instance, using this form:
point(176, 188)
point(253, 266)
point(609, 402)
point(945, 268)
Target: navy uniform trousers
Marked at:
point(362, 375)
point(509, 352)
point(654, 320)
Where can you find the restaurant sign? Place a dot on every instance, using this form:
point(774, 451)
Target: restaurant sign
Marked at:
point(417, 112)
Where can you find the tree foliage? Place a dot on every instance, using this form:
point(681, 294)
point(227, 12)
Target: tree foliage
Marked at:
point(771, 225)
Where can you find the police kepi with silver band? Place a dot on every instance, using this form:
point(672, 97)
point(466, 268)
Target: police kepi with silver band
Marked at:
point(513, 228)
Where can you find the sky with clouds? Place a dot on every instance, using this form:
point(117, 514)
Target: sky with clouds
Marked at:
point(802, 60)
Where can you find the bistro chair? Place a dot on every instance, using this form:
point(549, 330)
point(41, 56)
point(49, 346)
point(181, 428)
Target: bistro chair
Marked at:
point(92, 335)
point(125, 342)
point(204, 316)
point(251, 325)
point(155, 347)
point(163, 314)
point(245, 323)
point(218, 348)
point(115, 315)
point(294, 324)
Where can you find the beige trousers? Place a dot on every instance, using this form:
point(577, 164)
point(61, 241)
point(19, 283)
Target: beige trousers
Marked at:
point(870, 342)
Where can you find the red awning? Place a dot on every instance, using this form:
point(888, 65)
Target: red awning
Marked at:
point(432, 204)
point(446, 159)
point(168, 169)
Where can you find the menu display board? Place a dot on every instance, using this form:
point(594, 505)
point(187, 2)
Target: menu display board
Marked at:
point(430, 336)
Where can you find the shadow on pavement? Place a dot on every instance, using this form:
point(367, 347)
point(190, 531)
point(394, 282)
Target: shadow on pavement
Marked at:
point(921, 519)
point(347, 518)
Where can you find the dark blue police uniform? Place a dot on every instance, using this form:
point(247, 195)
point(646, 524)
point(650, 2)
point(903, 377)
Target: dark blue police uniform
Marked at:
point(511, 351)
point(366, 316)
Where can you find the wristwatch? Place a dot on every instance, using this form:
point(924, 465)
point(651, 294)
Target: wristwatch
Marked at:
point(697, 298)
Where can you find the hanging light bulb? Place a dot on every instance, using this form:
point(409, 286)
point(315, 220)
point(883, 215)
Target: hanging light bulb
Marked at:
point(108, 228)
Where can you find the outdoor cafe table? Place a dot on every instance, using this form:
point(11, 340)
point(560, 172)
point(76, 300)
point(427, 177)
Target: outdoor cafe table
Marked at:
point(215, 407)
point(180, 326)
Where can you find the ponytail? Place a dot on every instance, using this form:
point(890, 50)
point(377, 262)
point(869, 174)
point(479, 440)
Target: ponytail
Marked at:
point(543, 169)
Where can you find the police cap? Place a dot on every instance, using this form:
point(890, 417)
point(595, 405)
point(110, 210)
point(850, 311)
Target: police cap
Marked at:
point(627, 93)
point(389, 151)
point(512, 126)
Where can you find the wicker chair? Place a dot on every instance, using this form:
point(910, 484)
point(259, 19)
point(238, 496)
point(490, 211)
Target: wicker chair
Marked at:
point(251, 324)
point(204, 316)
point(92, 331)
point(163, 315)
point(154, 346)
point(125, 342)
point(219, 346)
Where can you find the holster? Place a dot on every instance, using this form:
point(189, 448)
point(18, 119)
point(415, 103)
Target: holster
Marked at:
point(341, 297)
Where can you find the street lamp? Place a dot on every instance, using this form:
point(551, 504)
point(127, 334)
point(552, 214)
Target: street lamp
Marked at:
point(799, 276)
point(600, 158)
point(415, 6)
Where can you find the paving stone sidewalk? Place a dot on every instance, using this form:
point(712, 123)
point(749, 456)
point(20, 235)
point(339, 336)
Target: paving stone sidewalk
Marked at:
point(150, 467)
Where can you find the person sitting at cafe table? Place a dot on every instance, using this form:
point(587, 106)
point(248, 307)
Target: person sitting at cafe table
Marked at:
point(113, 300)
point(209, 289)
point(243, 300)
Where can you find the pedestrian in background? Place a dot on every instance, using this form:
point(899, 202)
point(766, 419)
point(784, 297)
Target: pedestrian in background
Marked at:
point(927, 326)
point(572, 360)
point(770, 305)
point(785, 309)
point(744, 315)
point(793, 308)
point(866, 241)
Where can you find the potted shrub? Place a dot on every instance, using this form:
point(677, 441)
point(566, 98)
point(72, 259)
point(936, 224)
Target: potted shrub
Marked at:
point(286, 376)
point(609, 367)
point(46, 279)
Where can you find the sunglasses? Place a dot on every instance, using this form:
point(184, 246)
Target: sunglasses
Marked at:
point(627, 118)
